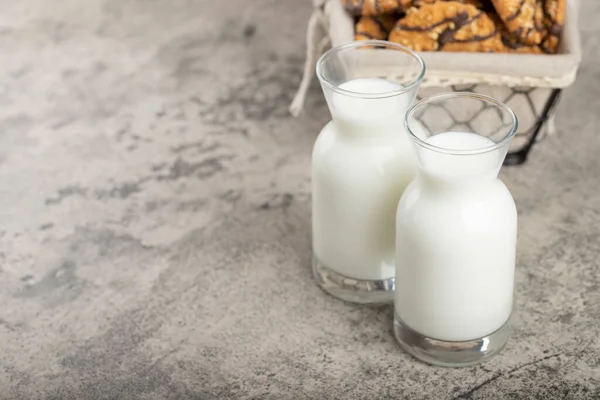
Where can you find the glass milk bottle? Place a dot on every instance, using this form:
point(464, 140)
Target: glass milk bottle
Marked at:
point(362, 161)
point(456, 232)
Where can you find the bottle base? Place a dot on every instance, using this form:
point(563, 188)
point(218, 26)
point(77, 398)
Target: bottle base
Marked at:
point(350, 289)
point(450, 354)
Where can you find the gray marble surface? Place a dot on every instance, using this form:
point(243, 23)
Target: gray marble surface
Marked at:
point(155, 219)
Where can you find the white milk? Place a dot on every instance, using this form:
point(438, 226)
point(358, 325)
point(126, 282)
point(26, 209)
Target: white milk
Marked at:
point(456, 242)
point(362, 161)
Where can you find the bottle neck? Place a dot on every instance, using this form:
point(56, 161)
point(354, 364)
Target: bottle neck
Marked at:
point(383, 117)
point(449, 182)
point(384, 130)
point(463, 171)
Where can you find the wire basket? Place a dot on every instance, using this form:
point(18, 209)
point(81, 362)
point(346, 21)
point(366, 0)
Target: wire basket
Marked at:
point(530, 84)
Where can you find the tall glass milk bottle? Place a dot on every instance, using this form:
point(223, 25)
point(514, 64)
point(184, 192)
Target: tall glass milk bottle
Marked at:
point(362, 161)
point(456, 232)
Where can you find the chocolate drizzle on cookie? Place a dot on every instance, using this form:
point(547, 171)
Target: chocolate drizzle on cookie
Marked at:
point(380, 24)
point(376, 27)
point(516, 13)
point(555, 29)
point(511, 43)
point(461, 20)
point(360, 35)
point(427, 28)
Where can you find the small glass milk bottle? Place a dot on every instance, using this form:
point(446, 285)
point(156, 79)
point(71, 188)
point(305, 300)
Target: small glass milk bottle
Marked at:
point(456, 232)
point(362, 161)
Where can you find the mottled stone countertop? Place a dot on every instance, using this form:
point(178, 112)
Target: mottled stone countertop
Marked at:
point(155, 219)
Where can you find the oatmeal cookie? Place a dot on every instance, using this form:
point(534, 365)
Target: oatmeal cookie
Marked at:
point(447, 26)
point(518, 47)
point(476, 3)
point(554, 21)
point(375, 27)
point(375, 7)
point(509, 43)
point(555, 11)
point(524, 19)
point(550, 44)
point(380, 7)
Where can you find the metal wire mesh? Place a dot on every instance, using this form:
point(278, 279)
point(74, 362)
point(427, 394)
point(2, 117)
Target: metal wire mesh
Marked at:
point(533, 107)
